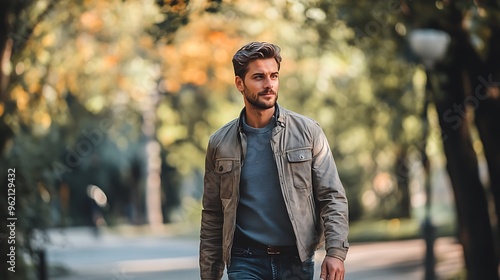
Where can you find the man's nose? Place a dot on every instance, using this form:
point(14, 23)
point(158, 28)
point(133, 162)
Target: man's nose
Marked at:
point(269, 83)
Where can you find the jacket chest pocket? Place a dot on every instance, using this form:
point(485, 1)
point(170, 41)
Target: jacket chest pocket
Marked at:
point(225, 168)
point(300, 161)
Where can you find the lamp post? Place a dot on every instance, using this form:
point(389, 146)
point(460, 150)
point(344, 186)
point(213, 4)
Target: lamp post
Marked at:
point(430, 46)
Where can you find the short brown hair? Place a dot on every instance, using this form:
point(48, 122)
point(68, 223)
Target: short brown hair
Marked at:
point(251, 52)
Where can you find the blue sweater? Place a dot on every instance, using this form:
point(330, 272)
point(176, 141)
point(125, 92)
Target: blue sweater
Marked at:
point(262, 213)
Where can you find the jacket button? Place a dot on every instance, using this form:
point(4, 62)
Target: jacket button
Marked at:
point(220, 168)
point(301, 156)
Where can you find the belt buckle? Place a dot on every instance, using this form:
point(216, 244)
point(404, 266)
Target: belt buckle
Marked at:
point(270, 251)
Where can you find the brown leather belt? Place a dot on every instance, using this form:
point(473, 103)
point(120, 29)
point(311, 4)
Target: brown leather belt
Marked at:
point(243, 241)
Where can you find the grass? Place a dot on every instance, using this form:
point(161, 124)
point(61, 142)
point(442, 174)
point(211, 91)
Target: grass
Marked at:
point(394, 229)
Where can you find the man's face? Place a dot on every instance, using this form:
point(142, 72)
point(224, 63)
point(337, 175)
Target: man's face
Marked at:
point(261, 84)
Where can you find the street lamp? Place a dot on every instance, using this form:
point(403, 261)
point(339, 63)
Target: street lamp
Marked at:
point(430, 45)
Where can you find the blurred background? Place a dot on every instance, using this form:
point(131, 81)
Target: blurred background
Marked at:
point(106, 108)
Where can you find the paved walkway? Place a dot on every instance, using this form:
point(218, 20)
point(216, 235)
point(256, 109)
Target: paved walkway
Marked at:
point(397, 260)
point(115, 257)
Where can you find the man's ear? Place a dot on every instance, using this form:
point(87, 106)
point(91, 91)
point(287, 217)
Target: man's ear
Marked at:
point(238, 82)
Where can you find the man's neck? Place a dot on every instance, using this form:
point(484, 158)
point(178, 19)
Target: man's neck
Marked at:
point(258, 118)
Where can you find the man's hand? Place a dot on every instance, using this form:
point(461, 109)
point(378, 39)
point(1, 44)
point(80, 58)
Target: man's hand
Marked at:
point(332, 269)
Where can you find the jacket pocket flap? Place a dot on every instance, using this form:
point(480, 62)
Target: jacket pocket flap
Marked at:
point(223, 166)
point(299, 155)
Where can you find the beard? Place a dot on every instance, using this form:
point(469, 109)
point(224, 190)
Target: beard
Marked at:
point(259, 103)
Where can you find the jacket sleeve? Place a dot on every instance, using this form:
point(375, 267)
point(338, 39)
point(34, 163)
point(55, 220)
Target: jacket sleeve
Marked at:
point(330, 197)
point(211, 262)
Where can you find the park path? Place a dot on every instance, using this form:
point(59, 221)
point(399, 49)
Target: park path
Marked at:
point(76, 254)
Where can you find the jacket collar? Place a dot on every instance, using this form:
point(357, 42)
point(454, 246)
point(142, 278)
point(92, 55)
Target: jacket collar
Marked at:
point(280, 120)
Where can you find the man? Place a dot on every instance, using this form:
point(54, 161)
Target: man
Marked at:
point(272, 194)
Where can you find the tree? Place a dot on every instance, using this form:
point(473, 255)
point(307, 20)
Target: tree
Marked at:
point(70, 70)
point(322, 76)
point(18, 19)
point(464, 88)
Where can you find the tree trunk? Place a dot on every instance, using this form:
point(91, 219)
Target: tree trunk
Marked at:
point(403, 185)
point(453, 98)
point(474, 227)
point(487, 117)
point(5, 50)
point(485, 91)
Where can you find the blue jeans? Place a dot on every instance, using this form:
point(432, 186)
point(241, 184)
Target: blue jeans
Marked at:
point(248, 263)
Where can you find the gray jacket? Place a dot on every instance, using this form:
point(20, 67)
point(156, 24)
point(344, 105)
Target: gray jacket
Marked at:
point(313, 194)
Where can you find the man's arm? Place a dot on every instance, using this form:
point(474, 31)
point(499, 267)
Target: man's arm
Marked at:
point(330, 197)
point(212, 219)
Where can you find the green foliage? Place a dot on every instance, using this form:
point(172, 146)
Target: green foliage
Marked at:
point(103, 65)
point(352, 92)
point(175, 14)
point(78, 75)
